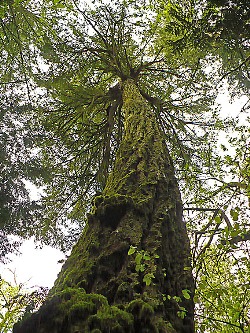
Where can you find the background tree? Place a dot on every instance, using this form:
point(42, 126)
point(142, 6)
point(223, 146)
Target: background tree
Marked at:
point(16, 301)
point(223, 298)
point(217, 31)
point(21, 133)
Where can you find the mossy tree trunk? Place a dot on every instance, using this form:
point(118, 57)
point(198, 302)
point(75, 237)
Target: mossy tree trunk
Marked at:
point(102, 287)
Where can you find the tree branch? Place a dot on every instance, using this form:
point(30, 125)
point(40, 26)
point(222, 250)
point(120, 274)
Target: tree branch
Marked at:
point(235, 69)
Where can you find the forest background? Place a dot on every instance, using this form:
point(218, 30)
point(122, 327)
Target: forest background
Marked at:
point(192, 50)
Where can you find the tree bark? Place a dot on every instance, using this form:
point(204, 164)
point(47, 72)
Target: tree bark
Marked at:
point(104, 288)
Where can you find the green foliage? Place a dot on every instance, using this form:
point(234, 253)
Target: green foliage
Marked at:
point(179, 53)
point(21, 137)
point(182, 312)
point(147, 278)
point(16, 208)
point(186, 293)
point(217, 29)
point(144, 262)
point(16, 302)
point(85, 116)
point(132, 250)
point(223, 292)
point(16, 32)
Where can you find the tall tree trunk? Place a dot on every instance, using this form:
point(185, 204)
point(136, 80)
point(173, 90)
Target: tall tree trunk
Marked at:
point(128, 270)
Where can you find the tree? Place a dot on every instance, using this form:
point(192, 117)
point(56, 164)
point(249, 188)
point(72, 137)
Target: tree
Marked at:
point(219, 33)
point(125, 111)
point(131, 211)
point(15, 205)
point(16, 302)
point(20, 215)
point(21, 134)
point(223, 303)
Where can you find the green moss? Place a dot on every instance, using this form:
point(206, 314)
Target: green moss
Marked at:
point(123, 291)
point(91, 313)
point(82, 309)
point(79, 266)
point(140, 163)
point(139, 206)
point(140, 309)
point(112, 319)
point(162, 326)
point(146, 317)
point(75, 302)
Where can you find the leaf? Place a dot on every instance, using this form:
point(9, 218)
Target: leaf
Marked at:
point(217, 219)
point(187, 268)
point(137, 268)
point(235, 214)
point(146, 257)
point(235, 233)
point(131, 250)
point(196, 299)
point(186, 293)
point(182, 313)
point(177, 298)
point(148, 278)
point(138, 258)
point(142, 267)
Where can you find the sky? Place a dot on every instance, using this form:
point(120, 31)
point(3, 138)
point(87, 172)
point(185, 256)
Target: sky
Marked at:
point(34, 267)
point(39, 267)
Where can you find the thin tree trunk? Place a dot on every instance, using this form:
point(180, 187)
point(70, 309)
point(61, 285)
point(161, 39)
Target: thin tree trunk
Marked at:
point(101, 287)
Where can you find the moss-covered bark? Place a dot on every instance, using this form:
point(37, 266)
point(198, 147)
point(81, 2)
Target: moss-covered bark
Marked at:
point(103, 289)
